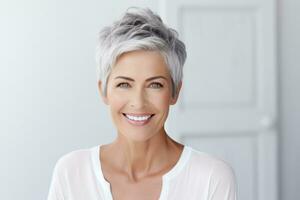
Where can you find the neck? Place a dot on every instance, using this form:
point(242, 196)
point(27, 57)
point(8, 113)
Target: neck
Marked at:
point(140, 159)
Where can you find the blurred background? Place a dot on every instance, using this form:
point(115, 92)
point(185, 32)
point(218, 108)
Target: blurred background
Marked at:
point(241, 90)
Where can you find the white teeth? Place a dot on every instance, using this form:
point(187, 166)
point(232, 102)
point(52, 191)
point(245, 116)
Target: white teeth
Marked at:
point(140, 118)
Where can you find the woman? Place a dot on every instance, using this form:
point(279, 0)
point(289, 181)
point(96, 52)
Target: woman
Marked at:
point(140, 63)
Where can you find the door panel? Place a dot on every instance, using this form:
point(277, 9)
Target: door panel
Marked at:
point(227, 106)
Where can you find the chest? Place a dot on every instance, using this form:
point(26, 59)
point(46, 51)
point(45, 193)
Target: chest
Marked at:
point(147, 189)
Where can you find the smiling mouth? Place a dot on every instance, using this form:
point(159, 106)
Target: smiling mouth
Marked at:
point(138, 119)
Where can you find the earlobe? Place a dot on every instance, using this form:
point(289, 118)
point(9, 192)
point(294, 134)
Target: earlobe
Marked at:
point(104, 98)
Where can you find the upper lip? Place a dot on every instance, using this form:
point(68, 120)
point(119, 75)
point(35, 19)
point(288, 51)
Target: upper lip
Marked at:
point(138, 115)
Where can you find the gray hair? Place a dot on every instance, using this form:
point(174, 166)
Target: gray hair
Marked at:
point(139, 29)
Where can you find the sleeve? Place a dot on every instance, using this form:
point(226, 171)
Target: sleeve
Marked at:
point(55, 190)
point(222, 183)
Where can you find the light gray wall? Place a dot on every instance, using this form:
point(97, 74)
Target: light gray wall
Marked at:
point(289, 74)
point(49, 103)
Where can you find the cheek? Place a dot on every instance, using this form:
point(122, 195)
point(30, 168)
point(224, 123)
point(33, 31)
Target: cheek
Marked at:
point(160, 100)
point(116, 102)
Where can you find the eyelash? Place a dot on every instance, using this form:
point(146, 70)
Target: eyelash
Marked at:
point(156, 83)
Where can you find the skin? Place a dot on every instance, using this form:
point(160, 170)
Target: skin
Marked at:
point(141, 154)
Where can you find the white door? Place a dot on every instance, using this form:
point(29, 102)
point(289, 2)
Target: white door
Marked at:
point(228, 104)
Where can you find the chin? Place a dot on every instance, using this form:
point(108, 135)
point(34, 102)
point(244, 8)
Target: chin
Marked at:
point(137, 136)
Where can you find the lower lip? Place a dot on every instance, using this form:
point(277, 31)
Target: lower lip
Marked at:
point(138, 123)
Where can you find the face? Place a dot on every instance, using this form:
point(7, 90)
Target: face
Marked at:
point(139, 93)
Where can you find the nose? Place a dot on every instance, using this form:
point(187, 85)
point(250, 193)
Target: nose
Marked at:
point(138, 99)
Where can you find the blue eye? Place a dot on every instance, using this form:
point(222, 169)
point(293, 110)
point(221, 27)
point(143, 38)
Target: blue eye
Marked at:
point(156, 85)
point(123, 85)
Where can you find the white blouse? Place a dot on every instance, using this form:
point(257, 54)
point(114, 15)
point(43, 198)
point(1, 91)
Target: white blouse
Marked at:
point(196, 176)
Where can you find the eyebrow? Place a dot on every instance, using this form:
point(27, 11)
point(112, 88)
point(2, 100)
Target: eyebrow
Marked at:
point(148, 79)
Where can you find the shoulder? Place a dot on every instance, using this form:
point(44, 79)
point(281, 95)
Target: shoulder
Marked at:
point(216, 173)
point(74, 159)
point(220, 178)
point(214, 166)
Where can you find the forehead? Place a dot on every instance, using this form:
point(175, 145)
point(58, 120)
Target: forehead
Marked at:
point(140, 64)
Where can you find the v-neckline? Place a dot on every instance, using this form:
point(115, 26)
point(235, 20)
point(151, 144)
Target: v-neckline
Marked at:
point(184, 156)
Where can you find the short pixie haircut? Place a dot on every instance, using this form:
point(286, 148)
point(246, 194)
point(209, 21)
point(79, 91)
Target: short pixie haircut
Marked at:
point(139, 29)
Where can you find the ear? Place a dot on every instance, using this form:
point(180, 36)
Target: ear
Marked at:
point(174, 99)
point(104, 98)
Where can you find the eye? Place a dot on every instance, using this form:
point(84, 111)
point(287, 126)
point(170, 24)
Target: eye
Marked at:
point(156, 85)
point(123, 85)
